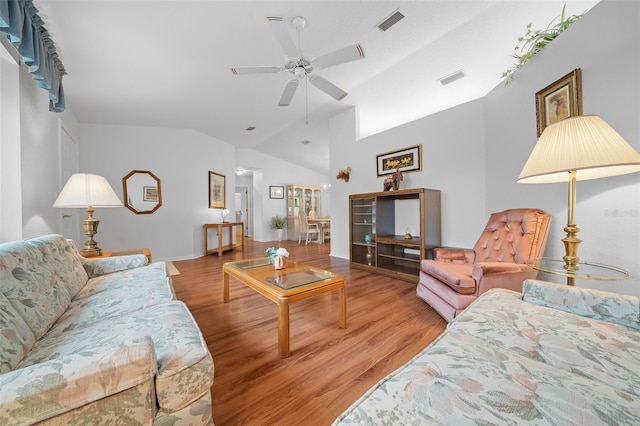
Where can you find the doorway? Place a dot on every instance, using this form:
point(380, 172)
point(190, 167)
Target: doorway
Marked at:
point(242, 208)
point(69, 160)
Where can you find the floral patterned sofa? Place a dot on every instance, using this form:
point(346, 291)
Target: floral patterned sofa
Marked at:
point(551, 355)
point(101, 341)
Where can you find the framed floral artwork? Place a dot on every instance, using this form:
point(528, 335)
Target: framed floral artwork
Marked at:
point(559, 100)
point(407, 160)
point(217, 194)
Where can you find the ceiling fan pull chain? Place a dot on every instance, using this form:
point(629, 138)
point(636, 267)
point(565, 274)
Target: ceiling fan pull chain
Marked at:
point(306, 101)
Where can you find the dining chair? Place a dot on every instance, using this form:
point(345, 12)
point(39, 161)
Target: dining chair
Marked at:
point(308, 229)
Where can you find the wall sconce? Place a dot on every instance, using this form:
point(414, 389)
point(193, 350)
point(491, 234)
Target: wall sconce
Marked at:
point(326, 187)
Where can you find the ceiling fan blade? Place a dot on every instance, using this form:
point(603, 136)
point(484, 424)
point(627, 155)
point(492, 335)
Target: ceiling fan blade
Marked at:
point(346, 54)
point(328, 87)
point(288, 92)
point(255, 70)
point(281, 30)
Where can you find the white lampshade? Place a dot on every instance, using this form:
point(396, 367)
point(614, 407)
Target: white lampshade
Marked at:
point(83, 190)
point(584, 144)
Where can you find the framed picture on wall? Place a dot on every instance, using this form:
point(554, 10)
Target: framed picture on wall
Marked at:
point(276, 192)
point(407, 160)
point(559, 100)
point(150, 193)
point(217, 191)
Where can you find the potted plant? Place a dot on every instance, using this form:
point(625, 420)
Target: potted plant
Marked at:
point(278, 223)
point(534, 41)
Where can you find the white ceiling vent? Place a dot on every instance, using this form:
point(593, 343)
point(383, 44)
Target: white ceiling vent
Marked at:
point(451, 77)
point(391, 20)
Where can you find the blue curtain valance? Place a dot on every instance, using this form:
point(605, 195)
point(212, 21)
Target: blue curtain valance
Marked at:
point(25, 30)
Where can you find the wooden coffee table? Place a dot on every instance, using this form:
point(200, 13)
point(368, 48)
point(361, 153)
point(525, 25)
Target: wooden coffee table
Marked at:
point(294, 283)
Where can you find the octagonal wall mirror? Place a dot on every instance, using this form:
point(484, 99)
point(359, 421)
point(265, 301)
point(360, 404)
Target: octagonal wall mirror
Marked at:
point(142, 192)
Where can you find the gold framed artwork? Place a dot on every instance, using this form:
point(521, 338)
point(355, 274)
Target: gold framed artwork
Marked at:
point(559, 100)
point(407, 160)
point(217, 194)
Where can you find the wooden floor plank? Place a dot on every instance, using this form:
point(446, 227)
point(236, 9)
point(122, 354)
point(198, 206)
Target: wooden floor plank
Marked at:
point(329, 367)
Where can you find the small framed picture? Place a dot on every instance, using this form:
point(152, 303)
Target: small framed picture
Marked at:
point(559, 100)
point(276, 192)
point(406, 160)
point(217, 194)
point(150, 193)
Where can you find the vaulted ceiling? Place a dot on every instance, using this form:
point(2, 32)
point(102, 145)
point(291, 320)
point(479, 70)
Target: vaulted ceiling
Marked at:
point(168, 63)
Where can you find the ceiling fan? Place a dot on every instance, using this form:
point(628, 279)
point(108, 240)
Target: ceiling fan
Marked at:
point(300, 65)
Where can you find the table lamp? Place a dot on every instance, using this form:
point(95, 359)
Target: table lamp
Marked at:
point(578, 148)
point(84, 190)
point(224, 213)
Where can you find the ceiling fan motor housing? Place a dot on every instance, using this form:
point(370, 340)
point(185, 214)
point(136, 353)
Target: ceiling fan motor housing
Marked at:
point(299, 72)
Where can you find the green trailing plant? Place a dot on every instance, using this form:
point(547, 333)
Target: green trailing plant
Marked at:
point(278, 222)
point(534, 41)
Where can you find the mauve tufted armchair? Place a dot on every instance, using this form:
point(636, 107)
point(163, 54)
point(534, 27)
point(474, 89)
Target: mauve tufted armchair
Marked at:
point(456, 277)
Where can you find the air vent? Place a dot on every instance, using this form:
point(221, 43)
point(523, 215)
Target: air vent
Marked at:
point(391, 20)
point(451, 77)
point(305, 142)
point(250, 128)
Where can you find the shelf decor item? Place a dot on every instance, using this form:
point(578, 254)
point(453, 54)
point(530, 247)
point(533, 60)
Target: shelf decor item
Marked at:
point(278, 257)
point(392, 181)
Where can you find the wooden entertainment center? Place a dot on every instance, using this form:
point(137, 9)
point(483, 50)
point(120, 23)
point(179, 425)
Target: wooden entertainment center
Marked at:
point(378, 226)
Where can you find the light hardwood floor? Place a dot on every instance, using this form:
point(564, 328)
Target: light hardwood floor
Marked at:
point(329, 367)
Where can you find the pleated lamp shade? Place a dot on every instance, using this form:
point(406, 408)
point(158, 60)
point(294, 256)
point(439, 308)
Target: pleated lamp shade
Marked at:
point(83, 190)
point(585, 144)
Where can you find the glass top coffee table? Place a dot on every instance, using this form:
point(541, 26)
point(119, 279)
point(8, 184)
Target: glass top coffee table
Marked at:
point(285, 286)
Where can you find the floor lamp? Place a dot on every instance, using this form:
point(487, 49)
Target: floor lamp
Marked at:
point(578, 148)
point(84, 190)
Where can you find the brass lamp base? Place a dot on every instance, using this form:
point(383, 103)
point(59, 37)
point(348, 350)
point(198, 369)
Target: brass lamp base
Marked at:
point(90, 227)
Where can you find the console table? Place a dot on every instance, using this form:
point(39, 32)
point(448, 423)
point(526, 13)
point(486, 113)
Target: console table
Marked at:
point(220, 226)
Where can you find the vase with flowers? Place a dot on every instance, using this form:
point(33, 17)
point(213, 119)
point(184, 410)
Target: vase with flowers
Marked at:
point(278, 257)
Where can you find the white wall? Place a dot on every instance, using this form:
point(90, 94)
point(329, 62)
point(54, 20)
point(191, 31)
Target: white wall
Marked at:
point(274, 171)
point(10, 179)
point(452, 162)
point(605, 44)
point(181, 159)
point(39, 178)
point(474, 153)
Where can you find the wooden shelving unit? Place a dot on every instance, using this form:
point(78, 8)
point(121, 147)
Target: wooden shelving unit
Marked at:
point(375, 243)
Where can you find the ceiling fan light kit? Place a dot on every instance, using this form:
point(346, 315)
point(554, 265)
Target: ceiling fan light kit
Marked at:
point(300, 66)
